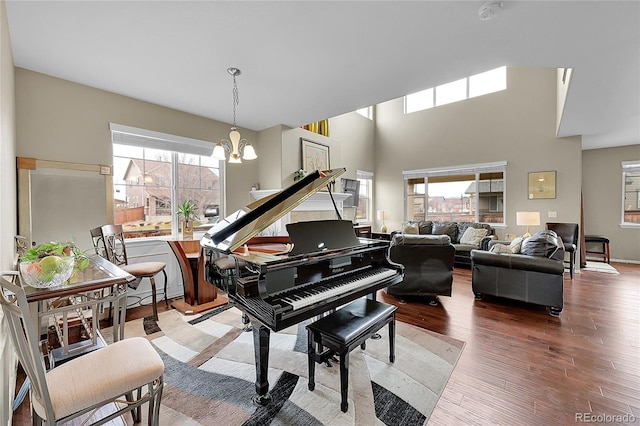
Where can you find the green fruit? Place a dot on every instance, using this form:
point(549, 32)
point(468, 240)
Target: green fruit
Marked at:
point(51, 264)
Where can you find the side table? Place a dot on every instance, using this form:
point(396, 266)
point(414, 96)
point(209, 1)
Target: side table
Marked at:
point(385, 236)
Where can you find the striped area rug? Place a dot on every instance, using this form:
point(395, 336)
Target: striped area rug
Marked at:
point(210, 374)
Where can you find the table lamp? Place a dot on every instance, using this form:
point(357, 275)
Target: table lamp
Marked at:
point(527, 219)
point(382, 215)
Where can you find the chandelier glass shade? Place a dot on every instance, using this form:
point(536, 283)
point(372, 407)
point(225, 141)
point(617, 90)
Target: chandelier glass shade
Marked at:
point(239, 149)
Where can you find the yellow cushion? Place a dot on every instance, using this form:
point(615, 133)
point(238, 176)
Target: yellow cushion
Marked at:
point(101, 375)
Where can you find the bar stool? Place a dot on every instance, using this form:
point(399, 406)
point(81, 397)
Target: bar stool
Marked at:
point(603, 242)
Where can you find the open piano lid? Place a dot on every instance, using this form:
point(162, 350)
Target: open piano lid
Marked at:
point(235, 230)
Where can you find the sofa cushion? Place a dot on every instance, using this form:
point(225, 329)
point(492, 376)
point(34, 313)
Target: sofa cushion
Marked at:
point(406, 239)
point(446, 228)
point(542, 244)
point(473, 236)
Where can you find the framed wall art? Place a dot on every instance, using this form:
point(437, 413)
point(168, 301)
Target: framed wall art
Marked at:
point(315, 156)
point(542, 185)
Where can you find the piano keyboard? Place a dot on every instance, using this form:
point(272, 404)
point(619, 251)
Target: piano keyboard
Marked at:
point(311, 296)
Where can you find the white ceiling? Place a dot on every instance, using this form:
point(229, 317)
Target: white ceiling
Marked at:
point(303, 61)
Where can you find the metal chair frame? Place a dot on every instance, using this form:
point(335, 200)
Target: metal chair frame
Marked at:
point(25, 339)
point(108, 242)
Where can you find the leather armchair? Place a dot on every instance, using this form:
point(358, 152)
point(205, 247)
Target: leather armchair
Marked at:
point(569, 233)
point(428, 262)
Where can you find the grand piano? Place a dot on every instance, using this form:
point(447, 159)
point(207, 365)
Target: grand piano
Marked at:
point(282, 281)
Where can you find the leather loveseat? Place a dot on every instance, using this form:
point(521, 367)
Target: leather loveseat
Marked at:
point(428, 265)
point(463, 241)
point(535, 274)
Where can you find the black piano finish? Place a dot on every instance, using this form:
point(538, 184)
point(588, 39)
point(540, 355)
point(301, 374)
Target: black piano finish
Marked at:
point(270, 287)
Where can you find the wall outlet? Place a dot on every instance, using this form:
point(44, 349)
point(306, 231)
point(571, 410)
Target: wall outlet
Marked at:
point(553, 214)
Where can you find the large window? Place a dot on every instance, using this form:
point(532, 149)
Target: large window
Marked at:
point(149, 183)
point(631, 193)
point(365, 205)
point(484, 83)
point(473, 193)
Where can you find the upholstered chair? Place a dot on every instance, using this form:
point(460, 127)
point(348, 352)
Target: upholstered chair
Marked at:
point(569, 233)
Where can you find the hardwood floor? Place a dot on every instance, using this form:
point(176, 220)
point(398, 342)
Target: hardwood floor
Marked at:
point(520, 366)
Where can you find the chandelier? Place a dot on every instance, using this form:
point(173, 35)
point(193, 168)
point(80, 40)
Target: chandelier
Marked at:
point(237, 147)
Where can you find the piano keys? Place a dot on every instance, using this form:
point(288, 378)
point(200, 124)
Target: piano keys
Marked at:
point(320, 266)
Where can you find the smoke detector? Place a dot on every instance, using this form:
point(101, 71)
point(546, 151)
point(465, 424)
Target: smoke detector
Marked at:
point(489, 10)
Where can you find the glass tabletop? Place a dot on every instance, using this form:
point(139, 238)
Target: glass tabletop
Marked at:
point(99, 274)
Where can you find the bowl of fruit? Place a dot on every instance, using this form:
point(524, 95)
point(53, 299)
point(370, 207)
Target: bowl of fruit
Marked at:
point(48, 265)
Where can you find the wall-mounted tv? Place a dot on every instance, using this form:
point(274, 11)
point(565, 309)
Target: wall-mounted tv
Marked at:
point(351, 186)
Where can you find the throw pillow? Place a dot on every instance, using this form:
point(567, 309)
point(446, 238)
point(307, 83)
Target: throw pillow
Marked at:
point(500, 248)
point(410, 228)
point(473, 236)
point(543, 244)
point(516, 244)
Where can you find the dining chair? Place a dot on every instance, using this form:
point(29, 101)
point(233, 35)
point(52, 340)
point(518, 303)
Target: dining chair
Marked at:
point(108, 242)
point(569, 234)
point(100, 383)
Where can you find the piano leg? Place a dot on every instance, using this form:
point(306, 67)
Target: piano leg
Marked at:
point(246, 322)
point(261, 336)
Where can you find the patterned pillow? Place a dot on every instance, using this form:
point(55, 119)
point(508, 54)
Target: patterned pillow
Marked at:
point(473, 236)
point(516, 244)
point(500, 248)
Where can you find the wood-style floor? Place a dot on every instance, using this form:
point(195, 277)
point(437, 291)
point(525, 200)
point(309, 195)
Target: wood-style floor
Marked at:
point(520, 366)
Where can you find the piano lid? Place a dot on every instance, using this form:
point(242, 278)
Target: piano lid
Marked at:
point(235, 230)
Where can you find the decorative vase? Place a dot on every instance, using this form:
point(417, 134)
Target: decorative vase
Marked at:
point(187, 229)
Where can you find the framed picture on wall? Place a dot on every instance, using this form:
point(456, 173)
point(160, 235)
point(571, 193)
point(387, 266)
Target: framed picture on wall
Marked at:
point(542, 185)
point(315, 156)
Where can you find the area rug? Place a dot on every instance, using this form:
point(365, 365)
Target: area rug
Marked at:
point(210, 374)
point(600, 267)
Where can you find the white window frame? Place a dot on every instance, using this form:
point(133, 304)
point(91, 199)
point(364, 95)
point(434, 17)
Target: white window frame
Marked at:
point(476, 169)
point(368, 176)
point(627, 168)
point(143, 138)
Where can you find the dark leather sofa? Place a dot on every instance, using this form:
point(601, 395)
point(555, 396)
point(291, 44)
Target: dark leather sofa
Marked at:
point(428, 265)
point(455, 231)
point(535, 275)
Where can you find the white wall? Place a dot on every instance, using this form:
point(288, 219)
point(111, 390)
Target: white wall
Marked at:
point(8, 218)
point(516, 125)
point(602, 183)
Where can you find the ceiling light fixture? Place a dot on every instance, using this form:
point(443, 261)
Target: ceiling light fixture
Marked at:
point(489, 10)
point(238, 148)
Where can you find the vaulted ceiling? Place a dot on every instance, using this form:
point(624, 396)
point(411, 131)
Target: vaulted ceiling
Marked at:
point(304, 61)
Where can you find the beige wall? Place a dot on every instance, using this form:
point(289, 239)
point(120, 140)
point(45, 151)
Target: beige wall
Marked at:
point(602, 183)
point(65, 121)
point(8, 218)
point(516, 125)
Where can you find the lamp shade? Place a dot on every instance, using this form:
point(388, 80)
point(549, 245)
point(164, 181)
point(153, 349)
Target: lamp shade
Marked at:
point(528, 218)
point(383, 214)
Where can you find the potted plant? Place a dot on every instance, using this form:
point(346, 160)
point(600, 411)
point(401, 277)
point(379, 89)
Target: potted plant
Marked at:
point(188, 212)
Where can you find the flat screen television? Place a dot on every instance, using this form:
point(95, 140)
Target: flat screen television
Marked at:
point(351, 186)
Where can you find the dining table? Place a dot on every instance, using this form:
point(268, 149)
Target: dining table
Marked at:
point(80, 300)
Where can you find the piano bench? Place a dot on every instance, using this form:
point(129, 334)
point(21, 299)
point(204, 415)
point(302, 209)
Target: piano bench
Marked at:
point(344, 330)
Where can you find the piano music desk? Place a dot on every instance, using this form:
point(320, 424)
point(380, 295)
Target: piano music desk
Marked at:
point(199, 295)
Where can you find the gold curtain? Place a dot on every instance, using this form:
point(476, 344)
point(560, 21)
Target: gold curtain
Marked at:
point(319, 127)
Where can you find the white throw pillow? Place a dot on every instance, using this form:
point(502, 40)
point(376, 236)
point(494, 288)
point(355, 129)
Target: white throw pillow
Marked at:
point(473, 236)
point(500, 248)
point(410, 228)
point(516, 244)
